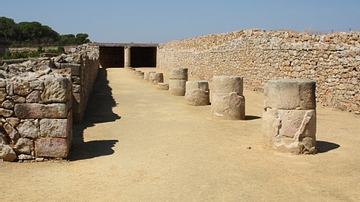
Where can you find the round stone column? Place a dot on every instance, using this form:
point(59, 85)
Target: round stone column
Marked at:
point(197, 93)
point(147, 75)
point(289, 118)
point(228, 101)
point(127, 57)
point(156, 78)
point(177, 81)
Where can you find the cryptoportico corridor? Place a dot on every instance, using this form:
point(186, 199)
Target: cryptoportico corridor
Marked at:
point(138, 143)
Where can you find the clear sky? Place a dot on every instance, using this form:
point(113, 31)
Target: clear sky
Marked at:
point(160, 21)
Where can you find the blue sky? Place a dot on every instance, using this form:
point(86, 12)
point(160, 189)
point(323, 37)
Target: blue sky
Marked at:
point(160, 21)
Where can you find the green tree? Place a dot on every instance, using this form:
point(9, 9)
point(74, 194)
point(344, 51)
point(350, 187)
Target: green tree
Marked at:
point(82, 38)
point(7, 29)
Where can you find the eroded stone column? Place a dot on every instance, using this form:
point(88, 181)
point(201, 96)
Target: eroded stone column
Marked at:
point(228, 101)
point(147, 75)
point(289, 118)
point(197, 93)
point(156, 78)
point(177, 81)
point(127, 57)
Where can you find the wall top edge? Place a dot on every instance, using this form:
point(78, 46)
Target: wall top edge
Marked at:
point(124, 44)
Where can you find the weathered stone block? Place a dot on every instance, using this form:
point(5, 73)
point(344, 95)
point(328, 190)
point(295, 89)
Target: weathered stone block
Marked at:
point(2, 83)
point(33, 97)
point(18, 99)
point(156, 78)
point(6, 112)
point(291, 131)
point(7, 153)
point(228, 106)
point(177, 87)
point(178, 74)
point(56, 90)
point(8, 104)
point(10, 88)
point(2, 94)
point(28, 129)
point(54, 128)
point(52, 147)
point(22, 88)
point(35, 110)
point(290, 94)
point(37, 85)
point(11, 131)
point(24, 146)
point(13, 121)
point(163, 86)
point(197, 93)
point(147, 75)
point(75, 68)
point(227, 84)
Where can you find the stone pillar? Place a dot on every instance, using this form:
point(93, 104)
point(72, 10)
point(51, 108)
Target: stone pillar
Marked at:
point(156, 78)
point(177, 81)
point(139, 73)
point(289, 118)
point(147, 75)
point(197, 93)
point(127, 57)
point(228, 101)
point(163, 86)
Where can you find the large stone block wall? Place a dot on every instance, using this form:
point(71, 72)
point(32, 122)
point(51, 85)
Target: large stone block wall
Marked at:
point(35, 112)
point(39, 101)
point(332, 60)
point(83, 62)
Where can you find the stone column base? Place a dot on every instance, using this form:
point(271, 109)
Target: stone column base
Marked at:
point(228, 106)
point(290, 131)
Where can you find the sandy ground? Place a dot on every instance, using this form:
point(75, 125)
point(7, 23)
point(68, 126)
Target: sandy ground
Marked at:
point(138, 143)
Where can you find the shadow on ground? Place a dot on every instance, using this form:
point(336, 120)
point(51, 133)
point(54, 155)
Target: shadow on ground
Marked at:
point(251, 117)
point(99, 110)
point(323, 146)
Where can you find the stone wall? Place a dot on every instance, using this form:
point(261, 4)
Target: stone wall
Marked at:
point(38, 99)
point(83, 62)
point(332, 60)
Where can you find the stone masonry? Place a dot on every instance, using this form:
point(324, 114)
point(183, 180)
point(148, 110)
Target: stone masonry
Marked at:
point(331, 60)
point(38, 99)
point(228, 101)
point(289, 118)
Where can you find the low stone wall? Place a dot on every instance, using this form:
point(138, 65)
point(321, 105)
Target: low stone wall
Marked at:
point(83, 62)
point(332, 60)
point(36, 119)
point(38, 99)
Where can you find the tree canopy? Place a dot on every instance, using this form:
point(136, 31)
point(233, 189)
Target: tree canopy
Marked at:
point(34, 33)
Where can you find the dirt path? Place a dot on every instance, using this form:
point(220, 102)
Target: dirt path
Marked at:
point(141, 144)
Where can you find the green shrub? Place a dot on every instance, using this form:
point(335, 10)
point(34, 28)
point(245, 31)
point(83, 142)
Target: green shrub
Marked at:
point(33, 54)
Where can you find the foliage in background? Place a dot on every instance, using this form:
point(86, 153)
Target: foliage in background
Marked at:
point(31, 54)
point(34, 33)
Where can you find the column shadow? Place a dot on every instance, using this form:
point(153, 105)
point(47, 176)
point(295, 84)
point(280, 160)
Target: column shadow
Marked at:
point(323, 146)
point(98, 110)
point(251, 117)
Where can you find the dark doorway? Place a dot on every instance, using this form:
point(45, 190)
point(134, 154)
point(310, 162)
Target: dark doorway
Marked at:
point(111, 56)
point(143, 56)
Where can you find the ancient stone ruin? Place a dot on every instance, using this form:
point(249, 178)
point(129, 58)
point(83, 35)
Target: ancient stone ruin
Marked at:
point(40, 100)
point(331, 60)
point(177, 81)
point(289, 118)
point(197, 93)
point(228, 100)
